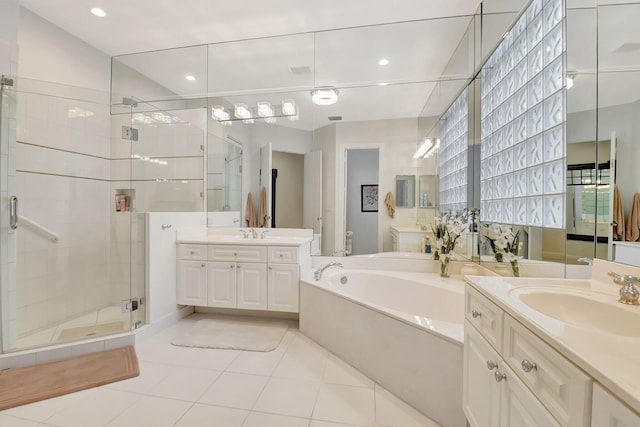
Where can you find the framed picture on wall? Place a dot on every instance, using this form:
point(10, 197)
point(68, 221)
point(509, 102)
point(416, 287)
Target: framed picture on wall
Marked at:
point(369, 198)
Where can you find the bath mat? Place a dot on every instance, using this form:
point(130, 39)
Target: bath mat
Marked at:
point(237, 333)
point(29, 384)
point(90, 331)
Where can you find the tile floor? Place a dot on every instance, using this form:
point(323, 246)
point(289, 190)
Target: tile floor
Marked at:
point(300, 384)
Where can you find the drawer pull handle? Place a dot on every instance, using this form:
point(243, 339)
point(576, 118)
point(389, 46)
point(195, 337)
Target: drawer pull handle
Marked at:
point(491, 365)
point(475, 314)
point(499, 376)
point(529, 366)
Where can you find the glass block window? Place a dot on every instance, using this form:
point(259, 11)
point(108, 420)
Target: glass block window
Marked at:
point(454, 141)
point(523, 116)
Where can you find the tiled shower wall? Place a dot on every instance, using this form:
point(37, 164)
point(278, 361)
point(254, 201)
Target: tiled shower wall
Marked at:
point(523, 117)
point(62, 178)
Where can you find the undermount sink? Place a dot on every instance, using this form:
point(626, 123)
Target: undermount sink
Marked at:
point(586, 309)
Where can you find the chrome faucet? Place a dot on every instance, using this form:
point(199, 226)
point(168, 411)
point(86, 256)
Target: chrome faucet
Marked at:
point(341, 252)
point(263, 233)
point(629, 294)
point(246, 233)
point(318, 273)
point(254, 233)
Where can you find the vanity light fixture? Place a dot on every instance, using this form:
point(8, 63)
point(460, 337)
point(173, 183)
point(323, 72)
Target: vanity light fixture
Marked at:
point(190, 77)
point(427, 144)
point(218, 112)
point(324, 96)
point(98, 12)
point(290, 109)
point(570, 78)
point(241, 111)
point(383, 61)
point(265, 110)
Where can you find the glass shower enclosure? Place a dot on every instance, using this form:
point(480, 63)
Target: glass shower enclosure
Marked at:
point(72, 249)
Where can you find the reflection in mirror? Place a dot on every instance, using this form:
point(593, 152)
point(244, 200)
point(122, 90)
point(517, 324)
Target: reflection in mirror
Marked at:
point(405, 191)
point(618, 109)
point(427, 191)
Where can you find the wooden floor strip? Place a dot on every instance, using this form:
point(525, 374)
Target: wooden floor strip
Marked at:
point(30, 384)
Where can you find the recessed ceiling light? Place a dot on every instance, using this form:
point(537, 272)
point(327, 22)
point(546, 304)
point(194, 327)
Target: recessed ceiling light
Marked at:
point(383, 61)
point(98, 12)
point(382, 84)
point(189, 77)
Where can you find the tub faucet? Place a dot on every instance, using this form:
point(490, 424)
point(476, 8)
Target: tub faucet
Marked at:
point(588, 261)
point(629, 294)
point(318, 273)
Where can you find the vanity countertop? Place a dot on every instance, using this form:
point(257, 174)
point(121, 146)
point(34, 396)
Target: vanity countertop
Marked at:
point(583, 321)
point(235, 236)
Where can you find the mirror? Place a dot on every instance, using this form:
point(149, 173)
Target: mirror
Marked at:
point(400, 102)
point(428, 191)
point(405, 191)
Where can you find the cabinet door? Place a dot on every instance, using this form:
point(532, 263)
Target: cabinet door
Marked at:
point(609, 411)
point(481, 393)
point(192, 283)
point(518, 406)
point(252, 285)
point(221, 279)
point(282, 287)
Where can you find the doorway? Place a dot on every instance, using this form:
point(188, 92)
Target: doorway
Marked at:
point(361, 201)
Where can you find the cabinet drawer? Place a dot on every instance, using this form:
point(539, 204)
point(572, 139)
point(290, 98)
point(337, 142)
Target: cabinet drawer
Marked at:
point(561, 387)
point(485, 316)
point(283, 254)
point(192, 252)
point(237, 253)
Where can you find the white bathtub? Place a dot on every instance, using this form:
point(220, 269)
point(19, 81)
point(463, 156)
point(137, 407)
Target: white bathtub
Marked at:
point(402, 329)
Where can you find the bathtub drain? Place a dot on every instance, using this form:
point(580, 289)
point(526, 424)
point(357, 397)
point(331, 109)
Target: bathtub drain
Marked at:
point(343, 280)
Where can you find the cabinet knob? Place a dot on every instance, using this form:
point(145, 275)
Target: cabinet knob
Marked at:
point(475, 314)
point(491, 365)
point(231, 266)
point(239, 266)
point(529, 366)
point(235, 254)
point(192, 252)
point(270, 268)
point(499, 376)
point(203, 265)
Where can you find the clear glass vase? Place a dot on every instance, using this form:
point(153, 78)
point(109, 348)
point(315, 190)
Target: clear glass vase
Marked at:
point(444, 266)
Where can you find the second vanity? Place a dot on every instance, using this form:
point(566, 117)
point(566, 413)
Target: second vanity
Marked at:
point(253, 269)
point(551, 352)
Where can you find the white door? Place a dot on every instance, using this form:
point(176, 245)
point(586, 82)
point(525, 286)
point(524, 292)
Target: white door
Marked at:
point(252, 285)
point(265, 182)
point(518, 406)
point(312, 205)
point(221, 279)
point(282, 287)
point(481, 395)
point(192, 283)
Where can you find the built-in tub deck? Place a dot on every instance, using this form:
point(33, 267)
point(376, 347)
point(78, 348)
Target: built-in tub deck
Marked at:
point(402, 329)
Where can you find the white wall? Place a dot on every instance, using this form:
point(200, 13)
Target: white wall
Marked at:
point(324, 139)
point(362, 169)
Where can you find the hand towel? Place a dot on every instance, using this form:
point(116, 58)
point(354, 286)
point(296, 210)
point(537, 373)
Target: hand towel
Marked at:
point(618, 215)
point(250, 217)
point(391, 204)
point(262, 210)
point(633, 225)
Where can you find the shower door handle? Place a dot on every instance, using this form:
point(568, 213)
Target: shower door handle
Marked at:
point(13, 212)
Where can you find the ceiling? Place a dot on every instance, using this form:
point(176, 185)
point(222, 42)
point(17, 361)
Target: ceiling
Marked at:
point(420, 52)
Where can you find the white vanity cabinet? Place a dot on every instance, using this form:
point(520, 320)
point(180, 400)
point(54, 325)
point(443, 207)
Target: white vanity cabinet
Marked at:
point(283, 279)
point(254, 277)
point(607, 410)
point(536, 385)
point(192, 274)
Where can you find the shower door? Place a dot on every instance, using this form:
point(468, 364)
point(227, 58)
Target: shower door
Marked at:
point(59, 241)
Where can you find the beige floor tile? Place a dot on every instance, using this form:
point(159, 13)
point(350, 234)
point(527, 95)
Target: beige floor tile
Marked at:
point(392, 411)
point(185, 383)
point(257, 419)
point(152, 412)
point(345, 404)
point(283, 396)
point(235, 390)
point(208, 416)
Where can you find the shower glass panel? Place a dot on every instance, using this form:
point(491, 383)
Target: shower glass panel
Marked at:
point(67, 279)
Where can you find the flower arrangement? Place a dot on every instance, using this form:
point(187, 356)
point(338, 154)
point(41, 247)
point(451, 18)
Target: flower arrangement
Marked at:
point(447, 230)
point(505, 244)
